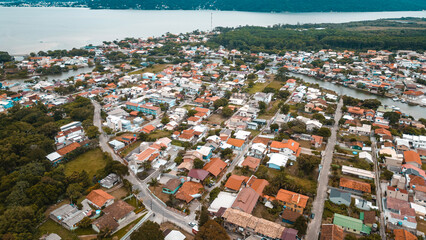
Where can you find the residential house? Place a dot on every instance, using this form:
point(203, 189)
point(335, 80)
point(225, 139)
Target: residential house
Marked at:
point(246, 200)
point(402, 234)
point(288, 147)
point(331, 232)
point(251, 162)
point(99, 198)
point(197, 175)
point(234, 183)
point(172, 186)
point(339, 197)
point(277, 160)
point(289, 216)
point(354, 186)
point(413, 158)
point(246, 224)
point(67, 216)
point(189, 191)
point(397, 193)
point(113, 216)
point(292, 201)
point(233, 143)
point(351, 225)
point(215, 167)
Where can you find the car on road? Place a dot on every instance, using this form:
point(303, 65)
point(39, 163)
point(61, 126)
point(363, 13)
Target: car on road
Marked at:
point(192, 224)
point(312, 215)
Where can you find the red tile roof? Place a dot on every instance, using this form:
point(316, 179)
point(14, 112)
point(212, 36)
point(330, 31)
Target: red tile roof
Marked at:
point(355, 185)
point(99, 197)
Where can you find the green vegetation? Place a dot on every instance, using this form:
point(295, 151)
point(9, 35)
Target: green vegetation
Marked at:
point(211, 230)
point(398, 35)
point(52, 227)
point(266, 6)
point(90, 161)
point(149, 230)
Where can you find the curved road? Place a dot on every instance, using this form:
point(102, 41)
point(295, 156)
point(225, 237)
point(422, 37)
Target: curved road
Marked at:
point(161, 212)
point(318, 204)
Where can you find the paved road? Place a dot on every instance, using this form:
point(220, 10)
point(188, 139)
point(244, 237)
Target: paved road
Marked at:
point(160, 212)
point(318, 204)
point(378, 186)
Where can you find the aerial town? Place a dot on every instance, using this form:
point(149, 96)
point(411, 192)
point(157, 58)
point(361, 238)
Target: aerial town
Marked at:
point(195, 137)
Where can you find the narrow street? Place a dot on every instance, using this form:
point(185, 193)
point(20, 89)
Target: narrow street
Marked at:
point(160, 212)
point(378, 186)
point(318, 204)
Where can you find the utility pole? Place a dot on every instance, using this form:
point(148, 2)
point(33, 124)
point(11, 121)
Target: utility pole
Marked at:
point(211, 22)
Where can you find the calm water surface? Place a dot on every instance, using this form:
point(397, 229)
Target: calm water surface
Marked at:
point(24, 30)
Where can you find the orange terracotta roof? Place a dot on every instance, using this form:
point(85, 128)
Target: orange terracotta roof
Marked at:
point(402, 234)
point(67, 149)
point(215, 166)
point(292, 198)
point(235, 142)
point(234, 182)
point(411, 156)
point(257, 184)
point(355, 185)
point(251, 162)
point(188, 190)
point(99, 197)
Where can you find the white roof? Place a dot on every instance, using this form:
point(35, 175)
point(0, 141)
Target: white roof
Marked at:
point(175, 235)
point(204, 150)
point(419, 209)
point(278, 159)
point(242, 134)
point(357, 171)
point(365, 155)
point(53, 156)
point(224, 199)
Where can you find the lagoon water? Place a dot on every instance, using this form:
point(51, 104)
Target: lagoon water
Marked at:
point(25, 30)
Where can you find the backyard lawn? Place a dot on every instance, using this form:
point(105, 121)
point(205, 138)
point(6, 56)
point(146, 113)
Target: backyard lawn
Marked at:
point(154, 69)
point(216, 119)
point(159, 134)
point(90, 161)
point(130, 148)
point(52, 227)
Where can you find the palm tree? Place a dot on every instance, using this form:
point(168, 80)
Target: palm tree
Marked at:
point(153, 183)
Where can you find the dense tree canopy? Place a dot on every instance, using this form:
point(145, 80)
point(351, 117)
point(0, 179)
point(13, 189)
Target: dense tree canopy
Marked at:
point(148, 231)
point(211, 230)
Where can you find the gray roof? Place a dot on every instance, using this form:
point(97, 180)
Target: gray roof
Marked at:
point(334, 193)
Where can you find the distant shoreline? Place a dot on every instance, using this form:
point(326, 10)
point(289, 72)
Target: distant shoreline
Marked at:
point(2, 5)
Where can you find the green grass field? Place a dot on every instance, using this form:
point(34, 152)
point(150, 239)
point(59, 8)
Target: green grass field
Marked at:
point(52, 227)
point(90, 161)
point(154, 69)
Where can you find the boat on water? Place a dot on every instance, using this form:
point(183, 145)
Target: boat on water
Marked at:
point(395, 99)
point(403, 100)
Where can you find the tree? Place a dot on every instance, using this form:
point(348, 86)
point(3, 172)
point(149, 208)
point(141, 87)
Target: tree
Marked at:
point(223, 102)
point(211, 230)
point(165, 120)
point(393, 117)
point(285, 108)
point(306, 164)
point(191, 113)
point(301, 225)
point(262, 107)
point(323, 132)
point(74, 191)
point(5, 57)
point(274, 127)
point(204, 217)
point(226, 153)
point(92, 132)
point(198, 164)
point(371, 103)
point(148, 231)
point(85, 222)
point(214, 193)
point(227, 112)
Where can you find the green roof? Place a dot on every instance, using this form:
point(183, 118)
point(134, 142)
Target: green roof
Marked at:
point(352, 223)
